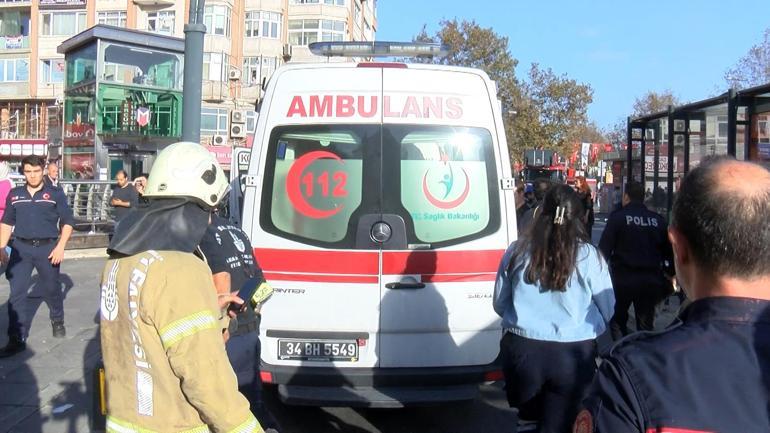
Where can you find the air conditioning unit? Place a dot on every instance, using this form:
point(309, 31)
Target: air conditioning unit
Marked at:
point(287, 51)
point(234, 74)
point(237, 116)
point(238, 130)
point(219, 140)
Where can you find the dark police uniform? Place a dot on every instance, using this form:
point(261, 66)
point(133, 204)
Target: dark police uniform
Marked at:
point(710, 372)
point(635, 242)
point(226, 248)
point(36, 222)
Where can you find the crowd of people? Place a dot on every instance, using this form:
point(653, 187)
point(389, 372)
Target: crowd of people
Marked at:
point(556, 293)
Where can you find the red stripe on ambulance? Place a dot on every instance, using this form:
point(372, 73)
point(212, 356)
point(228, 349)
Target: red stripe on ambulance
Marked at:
point(320, 262)
point(441, 262)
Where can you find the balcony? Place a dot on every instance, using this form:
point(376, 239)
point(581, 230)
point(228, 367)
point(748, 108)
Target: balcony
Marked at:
point(215, 91)
point(14, 42)
point(15, 3)
point(154, 2)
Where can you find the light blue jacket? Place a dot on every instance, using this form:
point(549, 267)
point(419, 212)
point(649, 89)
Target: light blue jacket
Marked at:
point(577, 314)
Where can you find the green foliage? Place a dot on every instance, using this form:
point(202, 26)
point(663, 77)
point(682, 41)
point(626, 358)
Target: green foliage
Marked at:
point(654, 102)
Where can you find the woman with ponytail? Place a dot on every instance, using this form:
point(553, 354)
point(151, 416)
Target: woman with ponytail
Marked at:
point(554, 293)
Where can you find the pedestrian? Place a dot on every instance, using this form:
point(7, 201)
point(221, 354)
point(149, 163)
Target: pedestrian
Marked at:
point(554, 294)
point(6, 184)
point(227, 251)
point(51, 177)
point(709, 371)
point(124, 197)
point(539, 188)
point(166, 368)
point(635, 243)
point(41, 222)
point(586, 198)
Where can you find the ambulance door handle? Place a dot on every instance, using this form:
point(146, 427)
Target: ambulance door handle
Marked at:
point(405, 286)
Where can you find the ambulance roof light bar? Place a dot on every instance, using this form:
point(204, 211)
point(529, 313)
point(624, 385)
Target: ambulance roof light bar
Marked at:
point(378, 49)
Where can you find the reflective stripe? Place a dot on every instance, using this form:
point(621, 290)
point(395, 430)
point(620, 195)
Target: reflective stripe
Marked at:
point(187, 326)
point(115, 425)
point(249, 426)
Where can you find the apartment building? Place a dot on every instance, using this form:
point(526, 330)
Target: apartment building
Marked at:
point(246, 41)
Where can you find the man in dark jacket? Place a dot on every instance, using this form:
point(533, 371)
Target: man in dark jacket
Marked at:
point(539, 188)
point(710, 372)
point(636, 245)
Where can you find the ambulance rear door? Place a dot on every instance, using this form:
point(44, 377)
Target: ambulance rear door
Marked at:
point(442, 170)
point(319, 178)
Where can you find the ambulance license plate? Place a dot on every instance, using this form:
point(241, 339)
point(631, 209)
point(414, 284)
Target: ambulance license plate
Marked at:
point(326, 350)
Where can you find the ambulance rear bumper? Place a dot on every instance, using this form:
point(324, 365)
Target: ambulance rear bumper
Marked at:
point(378, 387)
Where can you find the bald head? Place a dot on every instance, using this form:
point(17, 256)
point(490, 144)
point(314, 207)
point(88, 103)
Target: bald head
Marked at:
point(721, 210)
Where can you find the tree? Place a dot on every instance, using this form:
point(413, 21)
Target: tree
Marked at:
point(472, 46)
point(753, 69)
point(560, 105)
point(591, 133)
point(654, 102)
point(545, 113)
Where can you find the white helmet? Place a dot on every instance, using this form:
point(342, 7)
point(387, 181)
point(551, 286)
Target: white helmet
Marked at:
point(187, 169)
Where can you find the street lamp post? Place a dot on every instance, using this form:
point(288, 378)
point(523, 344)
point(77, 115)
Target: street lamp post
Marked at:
point(194, 32)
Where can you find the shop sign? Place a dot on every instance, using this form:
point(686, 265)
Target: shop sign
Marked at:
point(23, 147)
point(142, 116)
point(79, 134)
point(13, 42)
point(223, 154)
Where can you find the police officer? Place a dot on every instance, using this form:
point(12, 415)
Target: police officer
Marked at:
point(230, 256)
point(161, 323)
point(34, 212)
point(709, 371)
point(636, 245)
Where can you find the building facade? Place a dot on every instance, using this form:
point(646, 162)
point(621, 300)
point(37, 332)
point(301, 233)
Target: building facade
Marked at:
point(246, 41)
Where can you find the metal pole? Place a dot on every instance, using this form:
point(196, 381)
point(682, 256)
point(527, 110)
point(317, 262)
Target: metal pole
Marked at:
point(194, 31)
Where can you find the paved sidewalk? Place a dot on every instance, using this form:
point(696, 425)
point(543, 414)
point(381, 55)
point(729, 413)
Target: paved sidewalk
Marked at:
point(48, 387)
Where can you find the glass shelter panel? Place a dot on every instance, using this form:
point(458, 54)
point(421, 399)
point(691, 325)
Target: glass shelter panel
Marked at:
point(142, 67)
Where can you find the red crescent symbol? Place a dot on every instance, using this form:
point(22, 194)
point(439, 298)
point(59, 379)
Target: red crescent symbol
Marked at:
point(446, 204)
point(293, 187)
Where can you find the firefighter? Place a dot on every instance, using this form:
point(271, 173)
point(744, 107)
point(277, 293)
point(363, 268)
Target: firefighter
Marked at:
point(161, 322)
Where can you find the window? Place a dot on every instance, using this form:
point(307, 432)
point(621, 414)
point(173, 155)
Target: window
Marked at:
point(161, 22)
point(217, 20)
point(263, 24)
point(251, 121)
point(215, 66)
point(319, 207)
point(304, 32)
point(357, 14)
point(112, 18)
point(14, 70)
point(440, 180)
point(62, 23)
point(52, 71)
point(214, 121)
point(447, 181)
point(256, 68)
point(140, 66)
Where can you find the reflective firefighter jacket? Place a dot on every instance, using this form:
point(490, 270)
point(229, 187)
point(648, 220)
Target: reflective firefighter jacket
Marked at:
point(165, 362)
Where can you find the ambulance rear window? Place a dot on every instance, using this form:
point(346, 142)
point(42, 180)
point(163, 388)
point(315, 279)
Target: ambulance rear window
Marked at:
point(445, 178)
point(324, 185)
point(314, 181)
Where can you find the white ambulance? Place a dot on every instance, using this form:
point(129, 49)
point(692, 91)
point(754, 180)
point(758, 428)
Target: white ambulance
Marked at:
point(379, 201)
